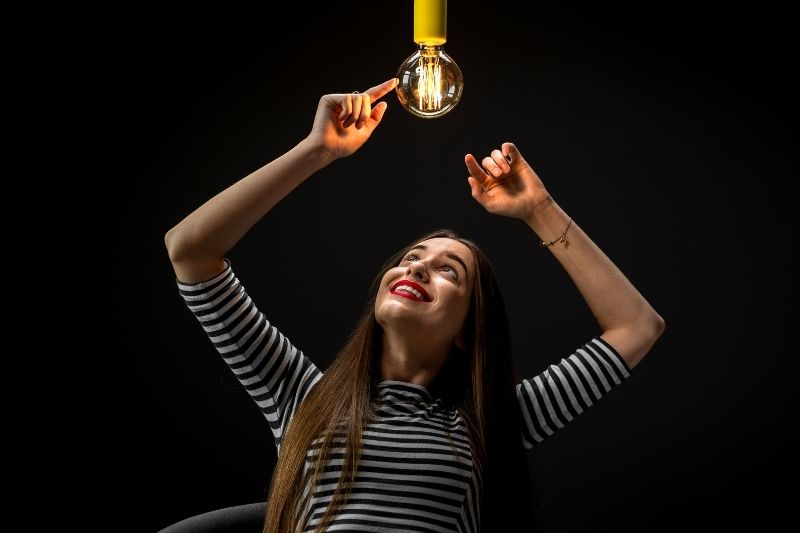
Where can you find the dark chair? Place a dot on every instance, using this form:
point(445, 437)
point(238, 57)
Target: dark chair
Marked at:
point(248, 518)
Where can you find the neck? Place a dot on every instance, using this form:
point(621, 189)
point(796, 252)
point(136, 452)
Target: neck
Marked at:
point(411, 359)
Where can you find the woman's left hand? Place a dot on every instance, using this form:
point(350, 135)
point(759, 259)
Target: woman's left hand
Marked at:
point(506, 184)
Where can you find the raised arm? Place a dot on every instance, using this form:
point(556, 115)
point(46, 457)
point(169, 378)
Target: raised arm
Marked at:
point(343, 123)
point(505, 184)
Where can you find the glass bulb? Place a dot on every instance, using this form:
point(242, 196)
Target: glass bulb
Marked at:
point(430, 83)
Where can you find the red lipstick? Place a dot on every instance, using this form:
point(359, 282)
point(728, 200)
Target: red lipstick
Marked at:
point(405, 294)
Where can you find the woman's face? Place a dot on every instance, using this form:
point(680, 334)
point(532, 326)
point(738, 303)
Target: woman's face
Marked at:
point(429, 292)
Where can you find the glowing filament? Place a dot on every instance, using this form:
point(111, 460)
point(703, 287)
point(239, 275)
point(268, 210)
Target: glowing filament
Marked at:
point(430, 83)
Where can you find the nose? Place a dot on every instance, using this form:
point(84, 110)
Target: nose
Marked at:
point(417, 270)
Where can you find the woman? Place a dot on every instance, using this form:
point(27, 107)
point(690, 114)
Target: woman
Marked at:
point(419, 423)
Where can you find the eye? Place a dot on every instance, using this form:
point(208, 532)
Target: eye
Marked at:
point(450, 269)
point(410, 256)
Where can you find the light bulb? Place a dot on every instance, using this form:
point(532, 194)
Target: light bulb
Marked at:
point(430, 83)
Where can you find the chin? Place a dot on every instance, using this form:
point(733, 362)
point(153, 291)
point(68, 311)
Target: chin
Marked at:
point(396, 315)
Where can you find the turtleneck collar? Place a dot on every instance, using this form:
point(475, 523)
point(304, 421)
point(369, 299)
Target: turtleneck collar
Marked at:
point(402, 391)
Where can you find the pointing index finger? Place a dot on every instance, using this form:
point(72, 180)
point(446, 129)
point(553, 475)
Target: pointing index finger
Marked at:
point(377, 92)
point(474, 168)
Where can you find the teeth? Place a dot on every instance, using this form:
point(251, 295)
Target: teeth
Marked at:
point(411, 290)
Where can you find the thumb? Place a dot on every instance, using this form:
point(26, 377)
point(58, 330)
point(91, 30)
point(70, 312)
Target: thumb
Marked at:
point(475, 188)
point(510, 152)
point(378, 111)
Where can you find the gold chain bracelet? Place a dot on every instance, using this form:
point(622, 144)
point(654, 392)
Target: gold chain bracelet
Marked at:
point(562, 238)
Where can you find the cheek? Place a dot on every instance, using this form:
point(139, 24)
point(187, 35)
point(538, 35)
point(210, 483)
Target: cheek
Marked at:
point(465, 310)
point(379, 299)
point(464, 302)
point(458, 301)
point(382, 290)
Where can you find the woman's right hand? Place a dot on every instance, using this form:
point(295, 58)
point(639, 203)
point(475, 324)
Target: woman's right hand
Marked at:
point(344, 122)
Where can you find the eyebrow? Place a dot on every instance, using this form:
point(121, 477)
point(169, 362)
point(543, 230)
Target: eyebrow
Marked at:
point(451, 255)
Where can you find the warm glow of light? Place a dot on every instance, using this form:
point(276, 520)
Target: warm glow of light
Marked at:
point(430, 83)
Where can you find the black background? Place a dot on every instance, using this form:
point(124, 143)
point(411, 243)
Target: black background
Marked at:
point(662, 129)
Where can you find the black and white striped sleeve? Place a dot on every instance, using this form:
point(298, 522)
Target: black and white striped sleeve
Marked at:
point(555, 397)
point(275, 373)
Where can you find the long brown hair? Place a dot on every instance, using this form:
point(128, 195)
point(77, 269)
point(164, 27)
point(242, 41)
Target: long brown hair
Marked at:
point(479, 383)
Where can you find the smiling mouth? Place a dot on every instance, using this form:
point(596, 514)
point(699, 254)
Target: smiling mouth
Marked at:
point(406, 290)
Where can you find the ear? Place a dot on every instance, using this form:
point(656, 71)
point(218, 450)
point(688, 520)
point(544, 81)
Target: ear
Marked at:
point(459, 342)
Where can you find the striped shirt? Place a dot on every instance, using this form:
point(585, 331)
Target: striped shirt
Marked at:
point(415, 472)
